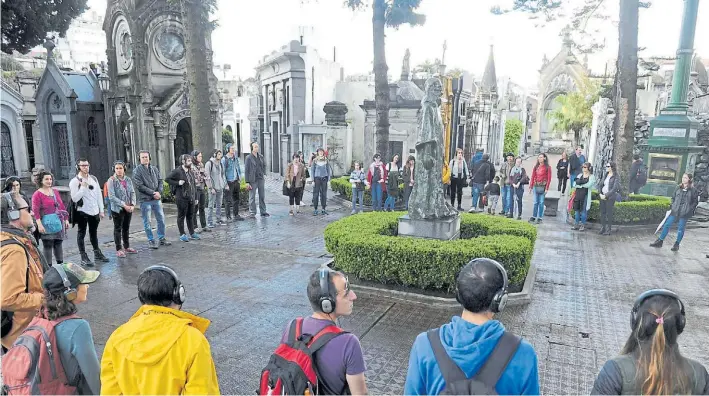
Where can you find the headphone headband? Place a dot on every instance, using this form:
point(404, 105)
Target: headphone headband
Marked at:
point(70, 293)
point(178, 294)
point(499, 300)
point(13, 213)
point(658, 292)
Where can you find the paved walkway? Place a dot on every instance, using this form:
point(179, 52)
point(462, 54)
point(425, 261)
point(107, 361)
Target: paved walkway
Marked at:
point(249, 278)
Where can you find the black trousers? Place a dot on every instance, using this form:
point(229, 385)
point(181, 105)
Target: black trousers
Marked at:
point(295, 194)
point(232, 198)
point(201, 197)
point(562, 184)
point(457, 189)
point(53, 245)
point(185, 209)
point(320, 190)
point(85, 221)
point(121, 228)
point(607, 209)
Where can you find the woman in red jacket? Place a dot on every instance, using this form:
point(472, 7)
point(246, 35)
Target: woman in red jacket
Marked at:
point(377, 178)
point(539, 185)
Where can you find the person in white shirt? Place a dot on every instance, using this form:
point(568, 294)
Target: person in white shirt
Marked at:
point(87, 196)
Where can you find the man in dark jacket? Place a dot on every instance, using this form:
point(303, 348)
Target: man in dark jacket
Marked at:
point(181, 181)
point(637, 175)
point(255, 169)
point(148, 185)
point(576, 161)
point(481, 174)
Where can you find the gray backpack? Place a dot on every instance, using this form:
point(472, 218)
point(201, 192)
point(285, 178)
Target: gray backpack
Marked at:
point(483, 383)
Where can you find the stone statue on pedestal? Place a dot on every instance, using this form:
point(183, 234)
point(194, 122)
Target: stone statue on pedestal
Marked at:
point(406, 66)
point(428, 199)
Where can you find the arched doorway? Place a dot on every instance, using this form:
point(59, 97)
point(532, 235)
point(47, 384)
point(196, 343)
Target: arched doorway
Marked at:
point(8, 159)
point(183, 139)
point(547, 127)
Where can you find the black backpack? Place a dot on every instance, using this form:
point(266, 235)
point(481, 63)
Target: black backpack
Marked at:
point(641, 176)
point(483, 383)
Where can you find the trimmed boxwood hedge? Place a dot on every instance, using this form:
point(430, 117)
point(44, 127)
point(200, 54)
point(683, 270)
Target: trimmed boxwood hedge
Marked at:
point(637, 209)
point(367, 246)
point(342, 186)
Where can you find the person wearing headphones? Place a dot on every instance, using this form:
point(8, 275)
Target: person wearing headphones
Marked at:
point(65, 286)
point(650, 363)
point(254, 174)
point(21, 268)
point(161, 350)
point(474, 351)
point(182, 183)
point(340, 362)
point(88, 197)
point(149, 188)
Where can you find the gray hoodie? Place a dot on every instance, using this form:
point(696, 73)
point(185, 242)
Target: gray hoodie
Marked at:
point(215, 174)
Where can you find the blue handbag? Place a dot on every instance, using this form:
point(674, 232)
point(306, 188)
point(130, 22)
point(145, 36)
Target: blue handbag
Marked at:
point(52, 222)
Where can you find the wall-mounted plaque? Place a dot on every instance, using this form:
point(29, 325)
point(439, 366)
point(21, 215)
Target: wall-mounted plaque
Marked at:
point(670, 132)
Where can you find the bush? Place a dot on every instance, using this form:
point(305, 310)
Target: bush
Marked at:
point(367, 246)
point(243, 194)
point(637, 209)
point(342, 186)
point(513, 135)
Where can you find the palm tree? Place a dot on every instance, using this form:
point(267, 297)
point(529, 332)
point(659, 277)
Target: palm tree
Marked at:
point(198, 30)
point(386, 13)
point(574, 113)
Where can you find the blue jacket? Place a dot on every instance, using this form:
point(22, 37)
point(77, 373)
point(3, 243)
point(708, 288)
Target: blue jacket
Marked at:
point(469, 345)
point(232, 168)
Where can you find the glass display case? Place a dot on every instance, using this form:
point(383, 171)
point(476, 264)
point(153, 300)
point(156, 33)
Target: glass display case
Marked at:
point(664, 168)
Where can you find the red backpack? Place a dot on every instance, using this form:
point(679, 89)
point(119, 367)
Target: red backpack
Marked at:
point(291, 369)
point(33, 365)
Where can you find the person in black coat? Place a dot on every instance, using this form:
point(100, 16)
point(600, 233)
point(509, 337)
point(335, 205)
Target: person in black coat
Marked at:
point(637, 174)
point(562, 172)
point(182, 185)
point(609, 189)
point(684, 202)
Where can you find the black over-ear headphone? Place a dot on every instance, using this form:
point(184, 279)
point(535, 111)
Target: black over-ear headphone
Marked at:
point(327, 304)
point(499, 300)
point(13, 213)
point(658, 292)
point(178, 294)
point(70, 293)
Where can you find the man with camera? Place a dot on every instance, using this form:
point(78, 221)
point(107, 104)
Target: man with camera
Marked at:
point(88, 199)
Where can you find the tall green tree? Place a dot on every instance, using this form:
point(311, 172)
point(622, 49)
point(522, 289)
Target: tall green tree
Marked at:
point(26, 23)
point(624, 90)
point(575, 111)
point(513, 136)
point(198, 30)
point(386, 13)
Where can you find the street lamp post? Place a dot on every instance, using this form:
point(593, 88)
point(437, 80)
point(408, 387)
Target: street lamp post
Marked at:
point(672, 147)
point(104, 83)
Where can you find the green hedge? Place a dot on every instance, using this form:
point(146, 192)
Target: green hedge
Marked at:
point(366, 246)
point(637, 209)
point(342, 186)
point(243, 194)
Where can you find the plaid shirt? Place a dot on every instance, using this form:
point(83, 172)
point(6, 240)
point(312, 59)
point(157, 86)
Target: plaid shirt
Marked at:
point(199, 175)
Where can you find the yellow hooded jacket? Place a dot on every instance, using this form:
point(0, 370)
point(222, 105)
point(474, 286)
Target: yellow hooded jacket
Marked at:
point(159, 351)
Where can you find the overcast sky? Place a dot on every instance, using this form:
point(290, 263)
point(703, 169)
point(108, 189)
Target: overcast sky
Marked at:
point(250, 29)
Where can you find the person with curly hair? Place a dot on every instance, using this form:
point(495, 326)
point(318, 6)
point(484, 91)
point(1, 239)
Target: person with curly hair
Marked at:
point(47, 205)
point(74, 338)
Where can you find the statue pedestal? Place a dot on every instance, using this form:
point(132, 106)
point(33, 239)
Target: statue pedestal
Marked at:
point(442, 229)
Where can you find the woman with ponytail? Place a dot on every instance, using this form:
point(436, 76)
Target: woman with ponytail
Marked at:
point(650, 362)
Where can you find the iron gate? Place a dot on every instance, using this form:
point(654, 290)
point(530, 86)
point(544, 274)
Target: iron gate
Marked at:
point(477, 132)
point(8, 159)
point(62, 137)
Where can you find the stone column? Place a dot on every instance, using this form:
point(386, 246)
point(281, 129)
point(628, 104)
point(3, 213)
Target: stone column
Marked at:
point(285, 152)
point(266, 150)
point(499, 155)
point(39, 160)
point(592, 145)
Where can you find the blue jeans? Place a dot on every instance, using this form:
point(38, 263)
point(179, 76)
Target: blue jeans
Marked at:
point(680, 228)
point(390, 201)
point(357, 195)
point(156, 208)
point(477, 187)
point(573, 179)
point(376, 196)
point(581, 214)
point(506, 198)
point(215, 201)
point(538, 210)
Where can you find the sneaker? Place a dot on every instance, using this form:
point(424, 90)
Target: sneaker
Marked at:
point(120, 253)
point(489, 211)
point(675, 247)
point(184, 238)
point(325, 212)
point(206, 229)
point(265, 214)
point(315, 212)
point(532, 219)
point(228, 220)
point(510, 216)
point(503, 213)
point(165, 242)
point(460, 208)
point(539, 221)
point(472, 210)
point(210, 226)
point(602, 231)
point(152, 244)
point(575, 227)
point(251, 216)
point(290, 212)
point(353, 212)
point(582, 227)
point(519, 217)
point(196, 236)
point(657, 243)
point(131, 251)
point(85, 260)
